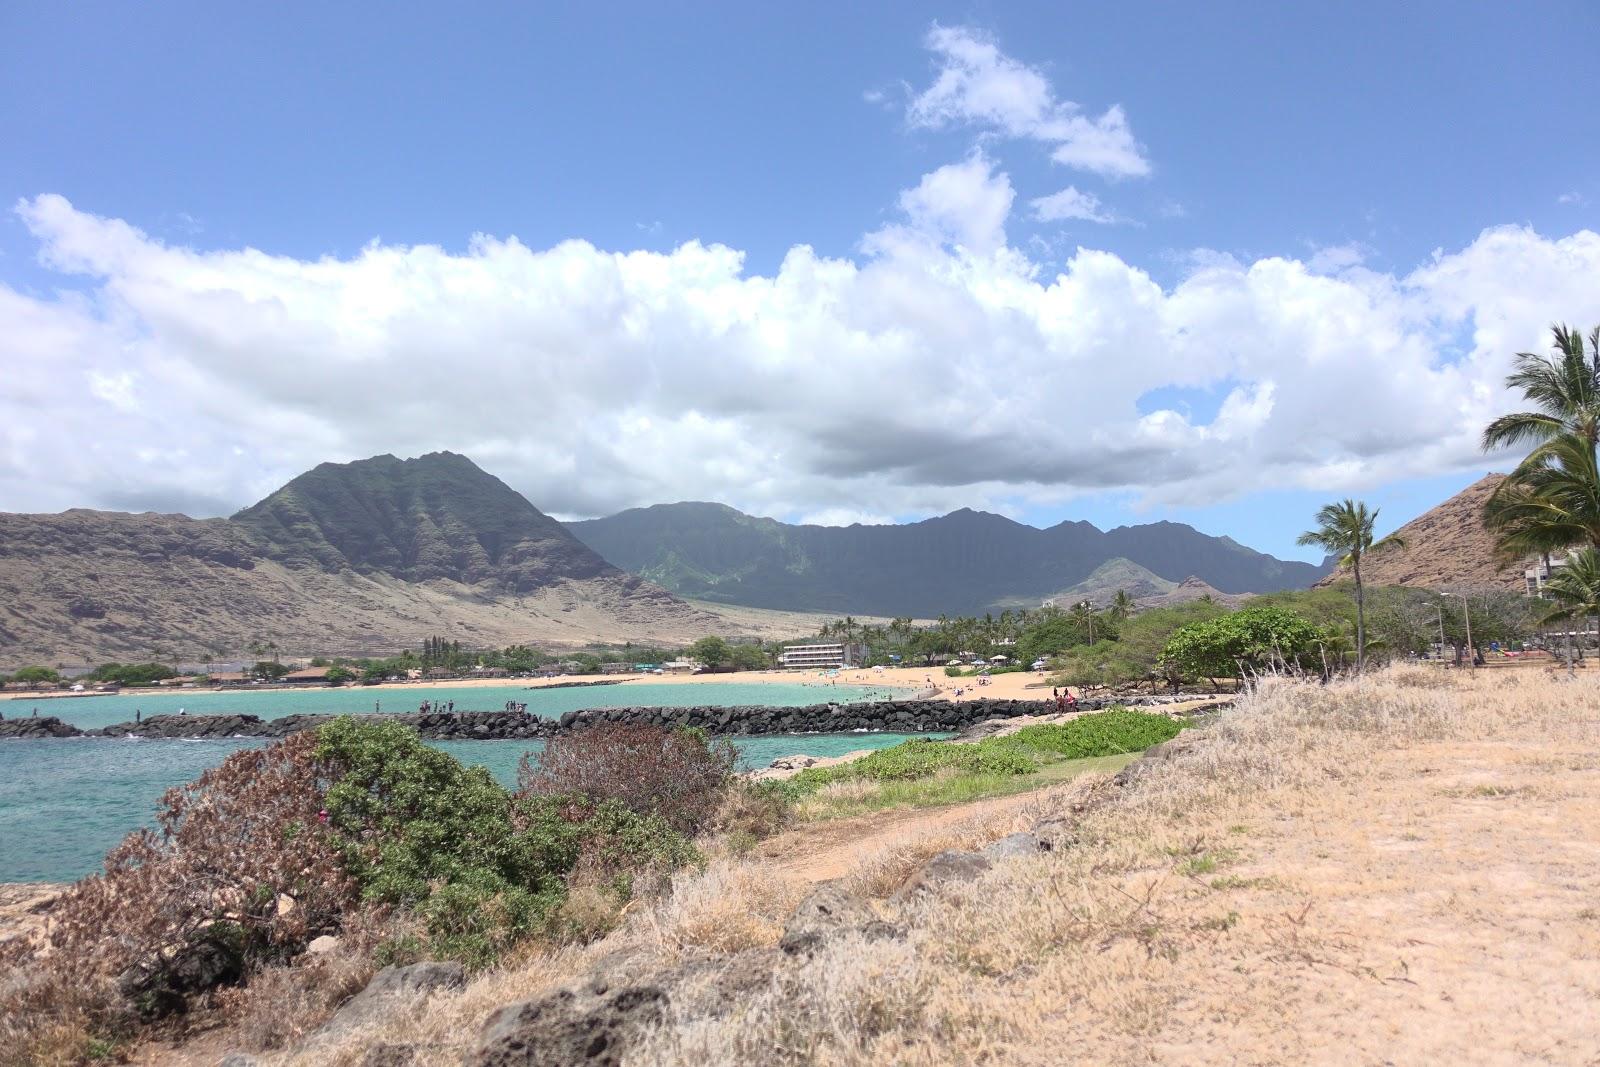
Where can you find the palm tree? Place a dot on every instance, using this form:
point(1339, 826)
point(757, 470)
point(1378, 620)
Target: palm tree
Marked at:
point(1346, 528)
point(1121, 605)
point(1575, 590)
point(1565, 387)
point(1550, 502)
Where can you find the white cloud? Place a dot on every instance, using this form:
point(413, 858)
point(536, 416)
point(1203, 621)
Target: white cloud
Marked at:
point(964, 204)
point(941, 367)
point(1070, 203)
point(977, 84)
point(1331, 259)
point(1574, 197)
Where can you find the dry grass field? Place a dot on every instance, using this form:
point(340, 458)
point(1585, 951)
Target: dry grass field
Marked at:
point(1399, 870)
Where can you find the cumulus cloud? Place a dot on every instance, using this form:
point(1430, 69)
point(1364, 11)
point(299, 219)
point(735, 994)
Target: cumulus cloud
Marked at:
point(977, 84)
point(1070, 203)
point(939, 367)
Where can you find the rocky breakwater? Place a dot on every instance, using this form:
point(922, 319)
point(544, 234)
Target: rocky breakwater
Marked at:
point(35, 727)
point(443, 726)
point(894, 716)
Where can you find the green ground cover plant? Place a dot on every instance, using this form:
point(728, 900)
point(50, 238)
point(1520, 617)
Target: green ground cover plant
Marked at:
point(960, 767)
point(937, 790)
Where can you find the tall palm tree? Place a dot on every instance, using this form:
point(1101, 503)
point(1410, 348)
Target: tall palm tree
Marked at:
point(1121, 605)
point(1575, 591)
point(1565, 387)
point(1346, 528)
point(1550, 502)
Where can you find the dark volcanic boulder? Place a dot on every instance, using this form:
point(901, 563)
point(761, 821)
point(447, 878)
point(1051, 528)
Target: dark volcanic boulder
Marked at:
point(394, 984)
point(592, 1026)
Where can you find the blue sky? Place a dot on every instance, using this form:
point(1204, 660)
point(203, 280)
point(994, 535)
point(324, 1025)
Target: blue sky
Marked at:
point(1353, 141)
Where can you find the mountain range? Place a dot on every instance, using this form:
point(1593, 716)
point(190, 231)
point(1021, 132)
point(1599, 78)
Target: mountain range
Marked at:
point(966, 562)
point(353, 558)
point(366, 557)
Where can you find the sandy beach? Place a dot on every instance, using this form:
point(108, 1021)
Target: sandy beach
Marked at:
point(1008, 686)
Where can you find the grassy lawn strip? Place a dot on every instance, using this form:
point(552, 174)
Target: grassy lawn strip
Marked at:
point(925, 773)
point(861, 796)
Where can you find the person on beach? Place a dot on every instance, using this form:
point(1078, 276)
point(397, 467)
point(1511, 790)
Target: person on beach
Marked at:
point(452, 707)
point(138, 716)
point(377, 705)
point(1072, 701)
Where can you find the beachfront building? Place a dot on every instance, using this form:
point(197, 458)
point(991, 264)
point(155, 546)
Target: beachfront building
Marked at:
point(821, 657)
point(680, 666)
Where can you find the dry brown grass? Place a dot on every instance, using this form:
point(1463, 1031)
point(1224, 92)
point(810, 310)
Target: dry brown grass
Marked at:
point(728, 907)
point(1295, 888)
point(1403, 869)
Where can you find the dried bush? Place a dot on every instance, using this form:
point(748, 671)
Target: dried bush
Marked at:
point(240, 862)
point(680, 775)
point(240, 871)
point(752, 810)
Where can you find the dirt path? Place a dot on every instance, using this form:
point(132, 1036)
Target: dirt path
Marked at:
point(819, 851)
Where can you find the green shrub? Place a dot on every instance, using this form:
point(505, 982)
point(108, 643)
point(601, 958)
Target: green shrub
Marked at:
point(917, 758)
point(1106, 733)
point(420, 830)
point(36, 676)
point(482, 867)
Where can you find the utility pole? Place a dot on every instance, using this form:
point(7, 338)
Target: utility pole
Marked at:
point(1440, 606)
point(1466, 613)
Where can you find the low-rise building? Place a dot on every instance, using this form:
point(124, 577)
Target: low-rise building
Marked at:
point(820, 657)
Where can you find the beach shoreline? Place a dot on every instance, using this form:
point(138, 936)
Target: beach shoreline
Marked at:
point(1011, 686)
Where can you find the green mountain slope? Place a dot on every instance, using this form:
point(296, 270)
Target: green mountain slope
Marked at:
point(964, 562)
point(436, 516)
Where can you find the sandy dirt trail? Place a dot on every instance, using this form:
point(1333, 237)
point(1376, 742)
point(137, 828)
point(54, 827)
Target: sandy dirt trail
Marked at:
point(817, 852)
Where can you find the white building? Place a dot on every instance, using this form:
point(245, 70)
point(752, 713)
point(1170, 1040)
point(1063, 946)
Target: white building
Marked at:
point(817, 657)
point(1538, 573)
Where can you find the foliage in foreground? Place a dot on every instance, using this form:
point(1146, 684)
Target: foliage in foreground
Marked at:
point(679, 775)
point(307, 836)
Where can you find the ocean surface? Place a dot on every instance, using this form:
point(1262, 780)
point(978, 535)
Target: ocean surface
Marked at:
point(65, 802)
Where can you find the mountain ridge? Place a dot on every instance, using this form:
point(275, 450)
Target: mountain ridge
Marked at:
point(966, 562)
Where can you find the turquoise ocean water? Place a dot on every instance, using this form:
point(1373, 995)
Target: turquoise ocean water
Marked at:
point(63, 803)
